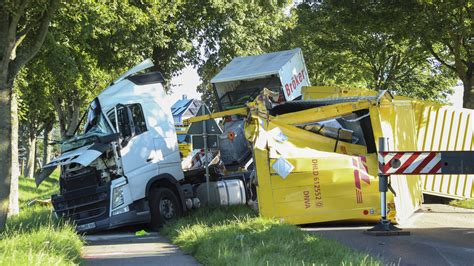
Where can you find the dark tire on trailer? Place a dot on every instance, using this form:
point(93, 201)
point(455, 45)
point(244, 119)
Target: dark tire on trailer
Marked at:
point(164, 207)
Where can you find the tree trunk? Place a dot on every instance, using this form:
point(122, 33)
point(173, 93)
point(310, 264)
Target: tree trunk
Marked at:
point(5, 150)
point(69, 118)
point(14, 206)
point(46, 146)
point(468, 97)
point(30, 161)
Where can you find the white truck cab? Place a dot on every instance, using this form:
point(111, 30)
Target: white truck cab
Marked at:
point(124, 168)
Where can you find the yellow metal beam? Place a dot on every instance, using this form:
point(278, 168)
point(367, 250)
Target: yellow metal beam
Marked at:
point(320, 113)
point(238, 111)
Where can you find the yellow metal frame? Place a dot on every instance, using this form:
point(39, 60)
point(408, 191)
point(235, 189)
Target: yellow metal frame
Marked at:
point(238, 111)
point(341, 184)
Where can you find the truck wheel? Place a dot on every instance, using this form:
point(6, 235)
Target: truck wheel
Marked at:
point(164, 207)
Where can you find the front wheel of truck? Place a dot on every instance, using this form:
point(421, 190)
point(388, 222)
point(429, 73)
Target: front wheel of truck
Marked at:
point(164, 207)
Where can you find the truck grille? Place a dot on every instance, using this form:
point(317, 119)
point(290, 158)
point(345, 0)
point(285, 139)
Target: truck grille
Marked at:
point(85, 177)
point(82, 199)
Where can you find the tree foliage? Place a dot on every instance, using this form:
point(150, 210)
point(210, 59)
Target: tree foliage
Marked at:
point(91, 42)
point(360, 45)
point(446, 30)
point(35, 109)
point(227, 30)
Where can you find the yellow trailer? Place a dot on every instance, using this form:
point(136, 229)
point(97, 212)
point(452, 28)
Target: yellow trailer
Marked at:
point(316, 159)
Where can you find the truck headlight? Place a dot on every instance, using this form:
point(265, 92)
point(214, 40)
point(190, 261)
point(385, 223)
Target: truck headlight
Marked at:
point(117, 197)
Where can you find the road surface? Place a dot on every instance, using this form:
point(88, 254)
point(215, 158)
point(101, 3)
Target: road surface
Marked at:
point(440, 235)
point(124, 248)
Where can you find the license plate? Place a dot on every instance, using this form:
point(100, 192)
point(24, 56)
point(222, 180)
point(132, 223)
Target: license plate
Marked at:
point(84, 227)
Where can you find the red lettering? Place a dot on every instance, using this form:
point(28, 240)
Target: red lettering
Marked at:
point(296, 80)
point(288, 92)
point(295, 77)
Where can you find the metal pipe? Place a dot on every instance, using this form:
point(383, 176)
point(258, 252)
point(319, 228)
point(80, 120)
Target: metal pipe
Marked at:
point(383, 205)
point(206, 164)
point(383, 182)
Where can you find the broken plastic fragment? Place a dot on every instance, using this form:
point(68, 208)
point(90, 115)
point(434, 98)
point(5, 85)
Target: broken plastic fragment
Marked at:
point(282, 167)
point(83, 156)
point(142, 233)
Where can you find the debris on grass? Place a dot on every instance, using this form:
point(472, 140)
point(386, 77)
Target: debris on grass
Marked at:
point(142, 233)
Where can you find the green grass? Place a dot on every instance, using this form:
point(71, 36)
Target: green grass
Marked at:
point(237, 236)
point(468, 203)
point(35, 236)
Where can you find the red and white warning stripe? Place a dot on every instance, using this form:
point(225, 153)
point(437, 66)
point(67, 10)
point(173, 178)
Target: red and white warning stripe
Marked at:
point(409, 162)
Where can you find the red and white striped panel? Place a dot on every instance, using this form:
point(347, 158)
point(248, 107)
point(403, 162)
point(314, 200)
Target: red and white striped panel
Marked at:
point(409, 163)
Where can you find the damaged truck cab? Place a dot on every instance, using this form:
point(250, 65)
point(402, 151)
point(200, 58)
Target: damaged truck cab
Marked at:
point(125, 167)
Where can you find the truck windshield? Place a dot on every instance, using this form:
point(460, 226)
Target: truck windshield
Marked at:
point(95, 126)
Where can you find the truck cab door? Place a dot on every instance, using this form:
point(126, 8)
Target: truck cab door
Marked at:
point(136, 142)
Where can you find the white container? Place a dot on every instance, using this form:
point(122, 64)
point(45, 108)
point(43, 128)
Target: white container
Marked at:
point(225, 192)
point(284, 72)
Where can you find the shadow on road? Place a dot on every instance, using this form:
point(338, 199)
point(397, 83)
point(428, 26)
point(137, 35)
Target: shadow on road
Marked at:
point(440, 235)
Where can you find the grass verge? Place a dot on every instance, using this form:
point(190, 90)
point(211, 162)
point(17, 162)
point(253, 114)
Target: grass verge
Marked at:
point(468, 203)
point(36, 236)
point(237, 236)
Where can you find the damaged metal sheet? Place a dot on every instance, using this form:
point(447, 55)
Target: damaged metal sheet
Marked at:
point(83, 156)
point(45, 172)
point(315, 165)
point(316, 160)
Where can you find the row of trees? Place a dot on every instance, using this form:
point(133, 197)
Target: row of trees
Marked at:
point(415, 48)
point(88, 43)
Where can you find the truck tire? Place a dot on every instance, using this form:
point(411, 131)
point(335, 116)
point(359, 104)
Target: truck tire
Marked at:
point(164, 207)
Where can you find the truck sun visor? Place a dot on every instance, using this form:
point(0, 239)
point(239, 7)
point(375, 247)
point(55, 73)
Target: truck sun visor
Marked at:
point(83, 156)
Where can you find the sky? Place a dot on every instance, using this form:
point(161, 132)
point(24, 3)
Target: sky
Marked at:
point(456, 98)
point(185, 84)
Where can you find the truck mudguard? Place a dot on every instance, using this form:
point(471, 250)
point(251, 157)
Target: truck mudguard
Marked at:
point(172, 181)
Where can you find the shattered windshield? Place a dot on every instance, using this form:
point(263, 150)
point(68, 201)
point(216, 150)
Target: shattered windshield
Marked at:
point(96, 125)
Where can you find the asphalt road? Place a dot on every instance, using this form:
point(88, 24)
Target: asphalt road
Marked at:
point(120, 247)
point(440, 235)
